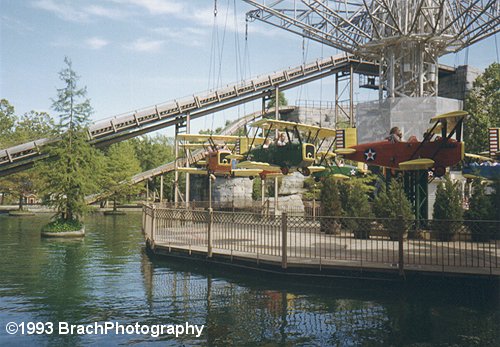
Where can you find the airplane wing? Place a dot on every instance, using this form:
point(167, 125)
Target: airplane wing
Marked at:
point(193, 170)
point(235, 156)
point(245, 172)
point(417, 164)
point(273, 174)
point(476, 156)
point(314, 169)
point(203, 138)
point(325, 154)
point(449, 116)
point(344, 151)
point(258, 165)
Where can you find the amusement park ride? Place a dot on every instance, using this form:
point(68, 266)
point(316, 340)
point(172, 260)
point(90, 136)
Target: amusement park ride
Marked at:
point(294, 152)
point(261, 156)
point(488, 166)
point(434, 153)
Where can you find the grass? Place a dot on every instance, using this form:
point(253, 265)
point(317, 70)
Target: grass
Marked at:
point(62, 225)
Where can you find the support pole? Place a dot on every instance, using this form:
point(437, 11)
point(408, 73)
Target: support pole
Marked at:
point(188, 155)
point(351, 96)
point(336, 99)
point(276, 116)
point(176, 172)
point(161, 188)
point(381, 79)
point(209, 232)
point(284, 241)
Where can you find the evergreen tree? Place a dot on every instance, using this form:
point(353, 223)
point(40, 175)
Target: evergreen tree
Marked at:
point(357, 207)
point(73, 169)
point(330, 206)
point(480, 209)
point(447, 212)
point(483, 104)
point(394, 207)
point(121, 165)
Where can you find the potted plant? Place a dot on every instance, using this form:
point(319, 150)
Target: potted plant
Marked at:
point(357, 208)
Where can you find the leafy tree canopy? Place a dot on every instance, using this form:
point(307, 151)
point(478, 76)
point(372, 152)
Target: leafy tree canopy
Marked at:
point(483, 104)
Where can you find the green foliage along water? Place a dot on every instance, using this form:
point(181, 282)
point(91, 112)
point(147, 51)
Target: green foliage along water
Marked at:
point(108, 277)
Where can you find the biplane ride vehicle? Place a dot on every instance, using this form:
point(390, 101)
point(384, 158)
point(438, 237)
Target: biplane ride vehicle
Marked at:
point(218, 156)
point(437, 151)
point(293, 149)
point(485, 165)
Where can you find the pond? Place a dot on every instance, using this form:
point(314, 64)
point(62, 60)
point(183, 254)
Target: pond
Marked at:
point(109, 277)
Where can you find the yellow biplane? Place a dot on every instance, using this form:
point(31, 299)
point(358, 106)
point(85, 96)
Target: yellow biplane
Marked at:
point(293, 149)
point(219, 160)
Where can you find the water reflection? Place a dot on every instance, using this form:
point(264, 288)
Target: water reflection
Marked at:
point(109, 277)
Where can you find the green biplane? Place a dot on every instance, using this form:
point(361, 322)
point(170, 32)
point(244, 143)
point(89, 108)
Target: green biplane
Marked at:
point(296, 151)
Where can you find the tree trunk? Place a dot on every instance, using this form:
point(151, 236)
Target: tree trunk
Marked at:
point(20, 202)
point(114, 204)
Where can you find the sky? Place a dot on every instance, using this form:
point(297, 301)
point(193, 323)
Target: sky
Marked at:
point(132, 54)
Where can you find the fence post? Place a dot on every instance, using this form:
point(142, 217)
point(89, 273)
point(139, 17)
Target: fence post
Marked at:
point(284, 229)
point(153, 223)
point(209, 233)
point(401, 232)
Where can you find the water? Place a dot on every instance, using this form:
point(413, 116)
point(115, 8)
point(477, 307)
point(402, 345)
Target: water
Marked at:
point(108, 277)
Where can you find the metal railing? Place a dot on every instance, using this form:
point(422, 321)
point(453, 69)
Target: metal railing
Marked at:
point(452, 246)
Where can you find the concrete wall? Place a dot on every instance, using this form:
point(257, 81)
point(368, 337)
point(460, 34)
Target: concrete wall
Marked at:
point(458, 84)
point(374, 119)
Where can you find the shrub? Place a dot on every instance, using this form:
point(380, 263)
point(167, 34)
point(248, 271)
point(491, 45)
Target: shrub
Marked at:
point(448, 212)
point(394, 207)
point(330, 206)
point(481, 208)
point(62, 225)
point(356, 205)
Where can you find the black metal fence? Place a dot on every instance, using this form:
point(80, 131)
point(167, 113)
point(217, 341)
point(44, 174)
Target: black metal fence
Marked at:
point(434, 245)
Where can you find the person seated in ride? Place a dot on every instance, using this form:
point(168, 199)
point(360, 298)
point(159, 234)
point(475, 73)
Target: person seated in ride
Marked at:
point(282, 141)
point(266, 143)
point(395, 135)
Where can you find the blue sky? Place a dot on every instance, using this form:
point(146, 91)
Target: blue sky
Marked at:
point(135, 53)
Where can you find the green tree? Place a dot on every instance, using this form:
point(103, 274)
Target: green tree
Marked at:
point(447, 211)
point(74, 167)
point(481, 208)
point(394, 207)
point(153, 152)
point(483, 104)
point(282, 101)
point(7, 121)
point(330, 206)
point(121, 165)
point(356, 206)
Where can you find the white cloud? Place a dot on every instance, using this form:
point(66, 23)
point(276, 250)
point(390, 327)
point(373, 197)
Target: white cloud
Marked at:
point(146, 45)
point(63, 10)
point(73, 11)
point(100, 11)
point(96, 43)
point(158, 6)
point(187, 36)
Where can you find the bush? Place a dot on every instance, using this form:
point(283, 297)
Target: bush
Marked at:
point(481, 208)
point(330, 206)
point(394, 207)
point(62, 225)
point(448, 212)
point(356, 205)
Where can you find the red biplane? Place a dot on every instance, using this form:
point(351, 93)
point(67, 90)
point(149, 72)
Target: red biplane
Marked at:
point(437, 151)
